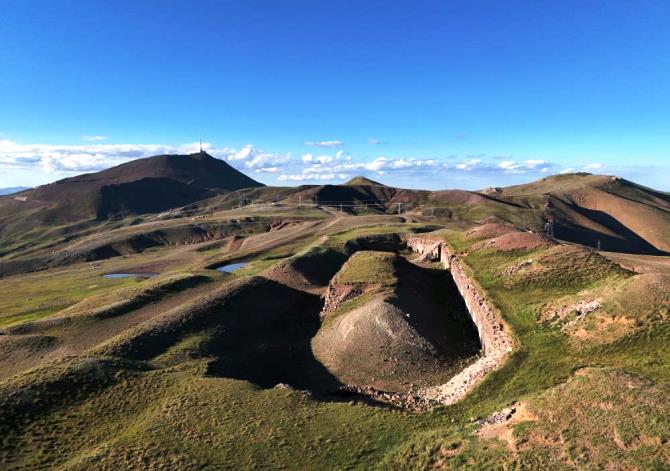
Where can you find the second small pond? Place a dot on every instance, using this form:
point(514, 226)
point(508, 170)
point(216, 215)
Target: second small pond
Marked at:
point(231, 267)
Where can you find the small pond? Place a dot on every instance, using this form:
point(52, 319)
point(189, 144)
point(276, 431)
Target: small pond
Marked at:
point(231, 267)
point(129, 275)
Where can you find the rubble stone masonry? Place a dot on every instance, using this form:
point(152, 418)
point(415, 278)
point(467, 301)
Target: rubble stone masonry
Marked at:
point(496, 343)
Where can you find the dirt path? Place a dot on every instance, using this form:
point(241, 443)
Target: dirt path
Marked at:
point(270, 240)
point(331, 223)
point(640, 263)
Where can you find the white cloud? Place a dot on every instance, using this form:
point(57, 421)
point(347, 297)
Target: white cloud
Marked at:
point(511, 166)
point(341, 164)
point(506, 166)
point(258, 159)
point(377, 164)
point(94, 157)
point(567, 170)
point(373, 142)
point(329, 144)
point(593, 166)
point(311, 177)
point(93, 138)
point(469, 164)
point(65, 160)
point(73, 158)
point(268, 170)
point(534, 163)
point(244, 153)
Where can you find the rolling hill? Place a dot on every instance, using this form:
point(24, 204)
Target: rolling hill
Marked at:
point(41, 227)
point(147, 185)
point(360, 180)
point(64, 209)
point(586, 209)
point(170, 323)
point(359, 191)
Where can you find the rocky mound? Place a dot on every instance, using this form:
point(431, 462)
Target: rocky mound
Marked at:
point(287, 274)
point(307, 271)
point(377, 345)
point(615, 310)
point(490, 230)
point(365, 272)
point(397, 326)
point(516, 241)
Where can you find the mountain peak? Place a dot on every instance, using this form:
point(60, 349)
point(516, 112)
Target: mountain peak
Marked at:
point(361, 180)
point(201, 154)
point(150, 184)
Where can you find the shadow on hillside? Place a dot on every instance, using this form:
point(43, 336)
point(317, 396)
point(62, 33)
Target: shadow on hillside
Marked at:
point(628, 242)
point(270, 344)
point(438, 311)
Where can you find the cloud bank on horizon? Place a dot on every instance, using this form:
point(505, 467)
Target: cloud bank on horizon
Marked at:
point(48, 162)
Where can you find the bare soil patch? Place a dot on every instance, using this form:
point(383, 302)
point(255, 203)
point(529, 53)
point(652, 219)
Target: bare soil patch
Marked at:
point(516, 241)
point(490, 230)
point(410, 330)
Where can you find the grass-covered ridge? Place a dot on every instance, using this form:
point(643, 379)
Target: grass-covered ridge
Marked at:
point(545, 361)
point(372, 267)
point(585, 404)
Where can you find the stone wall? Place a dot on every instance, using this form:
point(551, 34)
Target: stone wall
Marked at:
point(430, 249)
point(337, 294)
point(496, 343)
point(494, 339)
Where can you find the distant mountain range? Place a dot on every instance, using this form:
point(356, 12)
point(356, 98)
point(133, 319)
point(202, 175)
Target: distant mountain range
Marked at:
point(595, 210)
point(12, 190)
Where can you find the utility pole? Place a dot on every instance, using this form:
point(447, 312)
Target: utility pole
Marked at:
point(598, 245)
point(550, 229)
point(340, 207)
point(400, 208)
point(299, 200)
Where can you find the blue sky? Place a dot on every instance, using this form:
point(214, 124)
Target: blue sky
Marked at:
point(432, 94)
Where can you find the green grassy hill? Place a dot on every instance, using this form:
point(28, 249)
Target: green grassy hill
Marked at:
point(181, 366)
point(180, 370)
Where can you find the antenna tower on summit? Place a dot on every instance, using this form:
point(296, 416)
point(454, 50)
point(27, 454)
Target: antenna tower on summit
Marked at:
point(201, 145)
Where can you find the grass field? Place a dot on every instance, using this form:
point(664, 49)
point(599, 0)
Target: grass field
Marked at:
point(599, 403)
